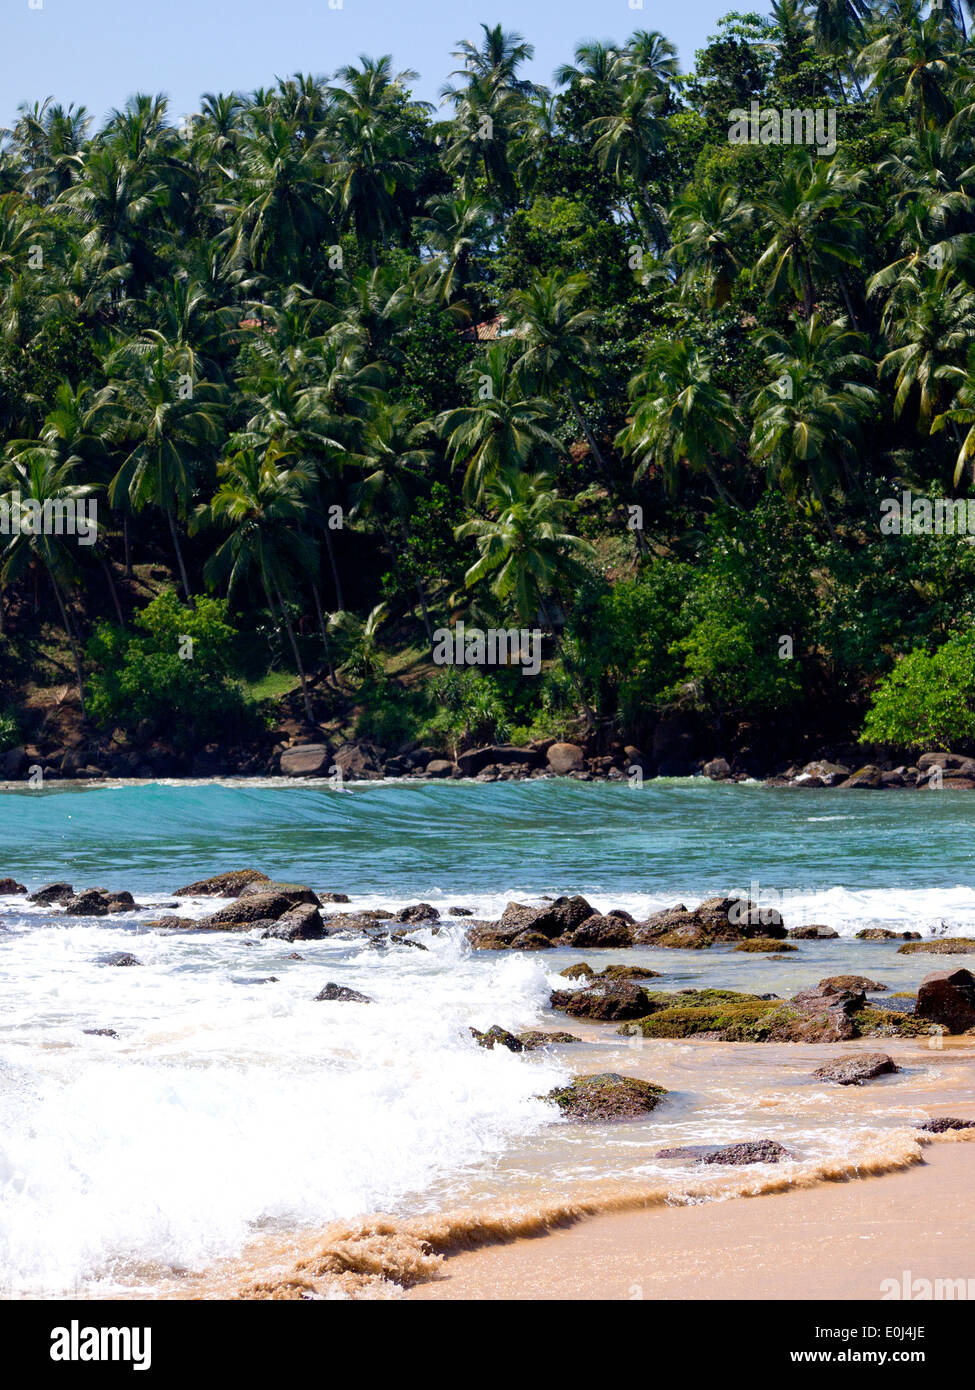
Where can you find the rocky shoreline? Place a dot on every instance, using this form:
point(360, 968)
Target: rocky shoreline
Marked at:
point(293, 751)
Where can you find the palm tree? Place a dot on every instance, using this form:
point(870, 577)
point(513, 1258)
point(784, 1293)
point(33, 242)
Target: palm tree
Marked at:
point(930, 320)
point(496, 61)
point(457, 230)
point(680, 419)
point(649, 51)
point(911, 64)
point(555, 342)
point(280, 216)
point(262, 505)
point(503, 430)
point(168, 421)
point(707, 225)
point(810, 419)
point(358, 640)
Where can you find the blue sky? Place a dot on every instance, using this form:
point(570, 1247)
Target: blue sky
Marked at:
point(98, 52)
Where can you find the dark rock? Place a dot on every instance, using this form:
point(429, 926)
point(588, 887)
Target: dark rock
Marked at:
point(745, 1152)
point(627, 972)
point(598, 930)
point(534, 1039)
point(120, 958)
point(295, 892)
point(247, 911)
point(530, 941)
point(563, 758)
point(941, 1124)
point(306, 760)
point(100, 1032)
point(460, 912)
point(852, 1071)
point(339, 993)
point(418, 912)
point(607, 1096)
point(814, 933)
point(865, 779)
point(877, 934)
point(944, 946)
point(227, 885)
point(717, 769)
point(498, 1037)
point(301, 923)
point(829, 774)
point(333, 897)
point(605, 1001)
point(13, 764)
point(10, 886)
point(173, 923)
point(855, 983)
point(52, 893)
point(438, 767)
point(579, 971)
point(946, 761)
point(98, 902)
point(759, 944)
point(948, 997)
point(497, 755)
point(486, 938)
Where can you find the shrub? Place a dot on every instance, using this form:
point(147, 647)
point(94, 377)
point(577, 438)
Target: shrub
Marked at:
point(928, 698)
point(177, 672)
point(10, 734)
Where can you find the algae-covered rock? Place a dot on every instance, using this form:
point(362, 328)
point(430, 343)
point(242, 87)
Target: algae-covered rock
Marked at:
point(534, 1039)
point(226, 885)
point(498, 1037)
point(603, 1001)
point(607, 1096)
point(764, 944)
point(944, 946)
point(856, 983)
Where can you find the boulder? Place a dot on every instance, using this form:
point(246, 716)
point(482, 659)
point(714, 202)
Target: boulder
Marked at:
point(534, 1039)
point(865, 779)
point(946, 761)
point(301, 923)
point(598, 930)
point(498, 1037)
point(295, 892)
point(306, 760)
point(52, 893)
point(827, 1013)
point(747, 1151)
point(10, 886)
point(557, 918)
point(829, 774)
point(947, 997)
point(944, 946)
point(485, 937)
point(579, 971)
point(98, 902)
point(854, 1070)
point(118, 958)
point(438, 767)
point(13, 764)
point(814, 933)
point(717, 769)
point(607, 1096)
point(358, 762)
point(333, 897)
point(333, 993)
point(627, 972)
point(604, 1002)
point(247, 911)
point(942, 1124)
point(418, 912)
point(228, 885)
point(764, 944)
point(497, 755)
point(857, 984)
point(531, 941)
point(563, 758)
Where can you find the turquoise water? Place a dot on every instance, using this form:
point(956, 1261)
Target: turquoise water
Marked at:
point(688, 838)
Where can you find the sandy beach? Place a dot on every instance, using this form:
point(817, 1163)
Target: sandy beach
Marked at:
point(837, 1240)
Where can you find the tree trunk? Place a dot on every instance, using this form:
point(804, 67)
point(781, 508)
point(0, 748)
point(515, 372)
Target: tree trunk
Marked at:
point(297, 655)
point(112, 589)
point(419, 586)
point(335, 570)
point(127, 543)
point(179, 558)
point(323, 631)
point(72, 642)
point(590, 439)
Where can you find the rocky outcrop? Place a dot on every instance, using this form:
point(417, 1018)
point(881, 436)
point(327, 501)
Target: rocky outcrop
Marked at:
point(737, 1155)
point(333, 993)
point(603, 1001)
point(531, 941)
point(858, 984)
point(599, 930)
point(306, 760)
point(944, 946)
point(418, 912)
point(718, 769)
point(814, 933)
point(359, 762)
point(295, 892)
point(854, 1070)
point(766, 944)
point(228, 885)
point(52, 893)
point(867, 778)
point(249, 910)
point(943, 1124)
point(98, 902)
point(607, 1096)
point(10, 886)
point(563, 758)
point(301, 923)
point(716, 919)
point(498, 1037)
point(948, 998)
point(438, 767)
point(469, 764)
point(534, 1039)
point(885, 934)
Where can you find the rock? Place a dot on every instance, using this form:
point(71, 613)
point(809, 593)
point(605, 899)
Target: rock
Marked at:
point(333, 897)
point(944, 946)
point(295, 892)
point(830, 774)
point(854, 1070)
point(675, 745)
point(855, 983)
point(497, 755)
point(948, 997)
point(460, 912)
point(607, 1096)
point(333, 993)
point(100, 1032)
point(498, 1037)
point(301, 923)
point(531, 941)
point(13, 764)
point(563, 758)
point(941, 1124)
point(946, 761)
point(814, 933)
point(418, 912)
point(627, 972)
point(52, 893)
point(865, 779)
point(247, 911)
point(876, 934)
point(579, 971)
point(485, 937)
point(716, 919)
point(747, 1151)
point(717, 769)
point(10, 886)
point(533, 1039)
point(98, 902)
point(119, 958)
point(438, 767)
point(306, 760)
point(173, 923)
point(598, 930)
point(764, 944)
point(228, 885)
point(558, 918)
point(604, 1002)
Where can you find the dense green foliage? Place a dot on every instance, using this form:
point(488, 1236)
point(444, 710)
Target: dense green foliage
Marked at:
point(567, 358)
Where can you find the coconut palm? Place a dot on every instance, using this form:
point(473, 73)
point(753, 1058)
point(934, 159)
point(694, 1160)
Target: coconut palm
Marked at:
point(707, 226)
point(456, 229)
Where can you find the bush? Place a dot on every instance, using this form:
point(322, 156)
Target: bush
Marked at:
point(179, 675)
point(470, 707)
point(10, 735)
point(928, 698)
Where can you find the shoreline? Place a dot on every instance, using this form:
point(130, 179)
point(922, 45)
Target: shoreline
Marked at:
point(831, 1240)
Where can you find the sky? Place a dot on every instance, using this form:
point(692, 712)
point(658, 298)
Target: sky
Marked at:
point(99, 52)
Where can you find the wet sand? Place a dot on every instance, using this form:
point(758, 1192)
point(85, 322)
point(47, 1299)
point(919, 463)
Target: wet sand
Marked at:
point(836, 1240)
